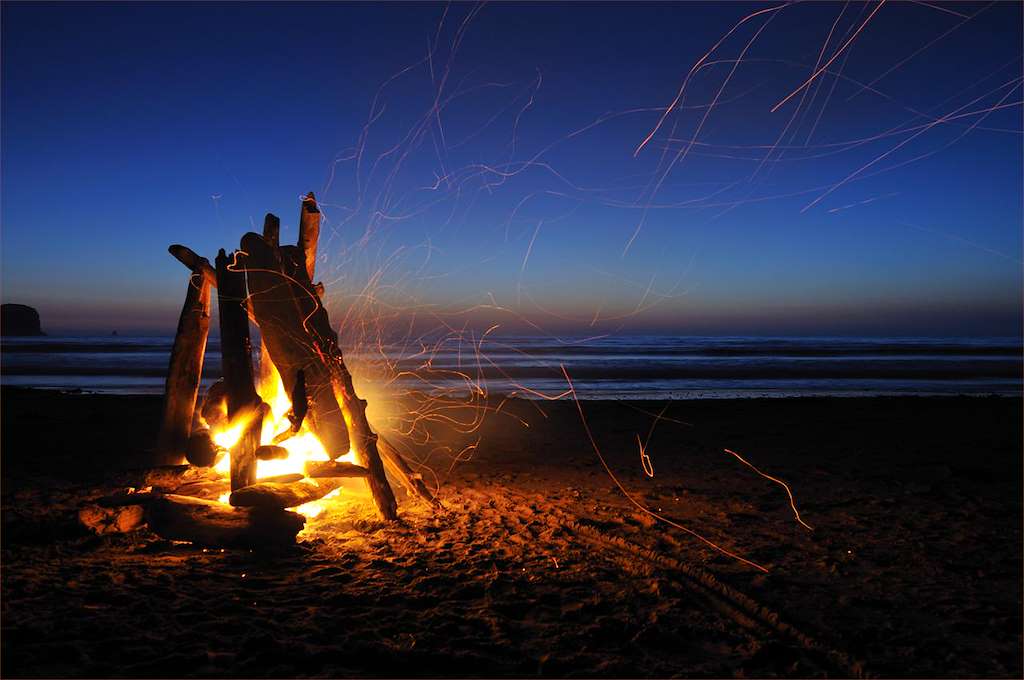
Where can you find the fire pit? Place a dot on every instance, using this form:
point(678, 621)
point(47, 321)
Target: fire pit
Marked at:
point(267, 444)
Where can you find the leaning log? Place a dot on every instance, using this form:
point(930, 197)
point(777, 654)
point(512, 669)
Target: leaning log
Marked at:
point(277, 495)
point(184, 371)
point(236, 358)
point(288, 342)
point(399, 468)
point(181, 518)
point(194, 262)
point(309, 233)
point(317, 469)
point(324, 340)
point(362, 437)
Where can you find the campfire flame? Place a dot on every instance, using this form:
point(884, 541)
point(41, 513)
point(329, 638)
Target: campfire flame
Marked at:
point(302, 447)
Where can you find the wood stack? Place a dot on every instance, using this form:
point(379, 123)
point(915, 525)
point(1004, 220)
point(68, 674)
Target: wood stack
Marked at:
point(273, 286)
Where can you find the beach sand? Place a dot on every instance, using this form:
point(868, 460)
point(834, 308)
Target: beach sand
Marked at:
point(538, 564)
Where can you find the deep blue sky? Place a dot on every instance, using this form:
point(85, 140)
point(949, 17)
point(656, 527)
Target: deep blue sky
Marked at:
point(128, 127)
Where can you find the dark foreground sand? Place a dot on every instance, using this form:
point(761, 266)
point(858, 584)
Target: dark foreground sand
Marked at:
point(539, 565)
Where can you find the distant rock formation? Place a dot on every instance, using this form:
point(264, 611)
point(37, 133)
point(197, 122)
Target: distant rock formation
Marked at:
point(19, 320)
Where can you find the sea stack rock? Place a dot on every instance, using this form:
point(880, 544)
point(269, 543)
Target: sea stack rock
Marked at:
point(19, 320)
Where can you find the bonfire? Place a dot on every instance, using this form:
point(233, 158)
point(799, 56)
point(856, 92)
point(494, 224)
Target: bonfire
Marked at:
point(268, 444)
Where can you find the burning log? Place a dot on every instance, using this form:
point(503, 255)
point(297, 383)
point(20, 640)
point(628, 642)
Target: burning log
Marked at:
point(271, 452)
point(214, 409)
point(283, 479)
point(370, 450)
point(332, 468)
point(276, 495)
point(296, 266)
point(186, 367)
point(181, 518)
point(236, 357)
point(297, 413)
point(298, 334)
point(202, 450)
point(288, 342)
point(209, 490)
point(300, 402)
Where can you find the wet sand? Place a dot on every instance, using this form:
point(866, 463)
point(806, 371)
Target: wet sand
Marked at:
point(538, 565)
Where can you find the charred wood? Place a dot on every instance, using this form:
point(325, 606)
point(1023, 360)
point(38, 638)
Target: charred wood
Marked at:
point(276, 495)
point(236, 357)
point(181, 518)
point(332, 468)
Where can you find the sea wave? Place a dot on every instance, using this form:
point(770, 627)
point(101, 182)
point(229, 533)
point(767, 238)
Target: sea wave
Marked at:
point(649, 366)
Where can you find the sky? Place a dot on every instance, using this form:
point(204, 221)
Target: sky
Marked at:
point(693, 168)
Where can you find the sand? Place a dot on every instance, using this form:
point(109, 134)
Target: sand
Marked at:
point(538, 565)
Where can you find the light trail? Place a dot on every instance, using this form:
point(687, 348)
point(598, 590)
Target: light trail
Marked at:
point(789, 492)
point(629, 497)
point(828, 63)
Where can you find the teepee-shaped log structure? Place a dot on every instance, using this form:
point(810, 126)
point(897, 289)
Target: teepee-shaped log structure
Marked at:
point(273, 286)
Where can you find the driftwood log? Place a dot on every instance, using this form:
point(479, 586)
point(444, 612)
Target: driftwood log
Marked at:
point(195, 263)
point(399, 468)
point(298, 334)
point(287, 339)
point(185, 369)
point(161, 477)
point(271, 452)
point(236, 358)
point(282, 495)
point(363, 439)
point(214, 408)
point(317, 469)
point(182, 518)
point(309, 233)
point(116, 520)
point(202, 450)
point(208, 490)
point(272, 229)
point(283, 479)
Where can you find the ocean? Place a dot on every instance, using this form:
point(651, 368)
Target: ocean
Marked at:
point(621, 367)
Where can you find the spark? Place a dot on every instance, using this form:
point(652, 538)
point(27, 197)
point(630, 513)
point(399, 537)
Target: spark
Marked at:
point(1015, 82)
point(645, 459)
point(694, 69)
point(792, 503)
point(682, 154)
point(922, 48)
point(807, 82)
point(864, 202)
point(629, 497)
point(939, 8)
